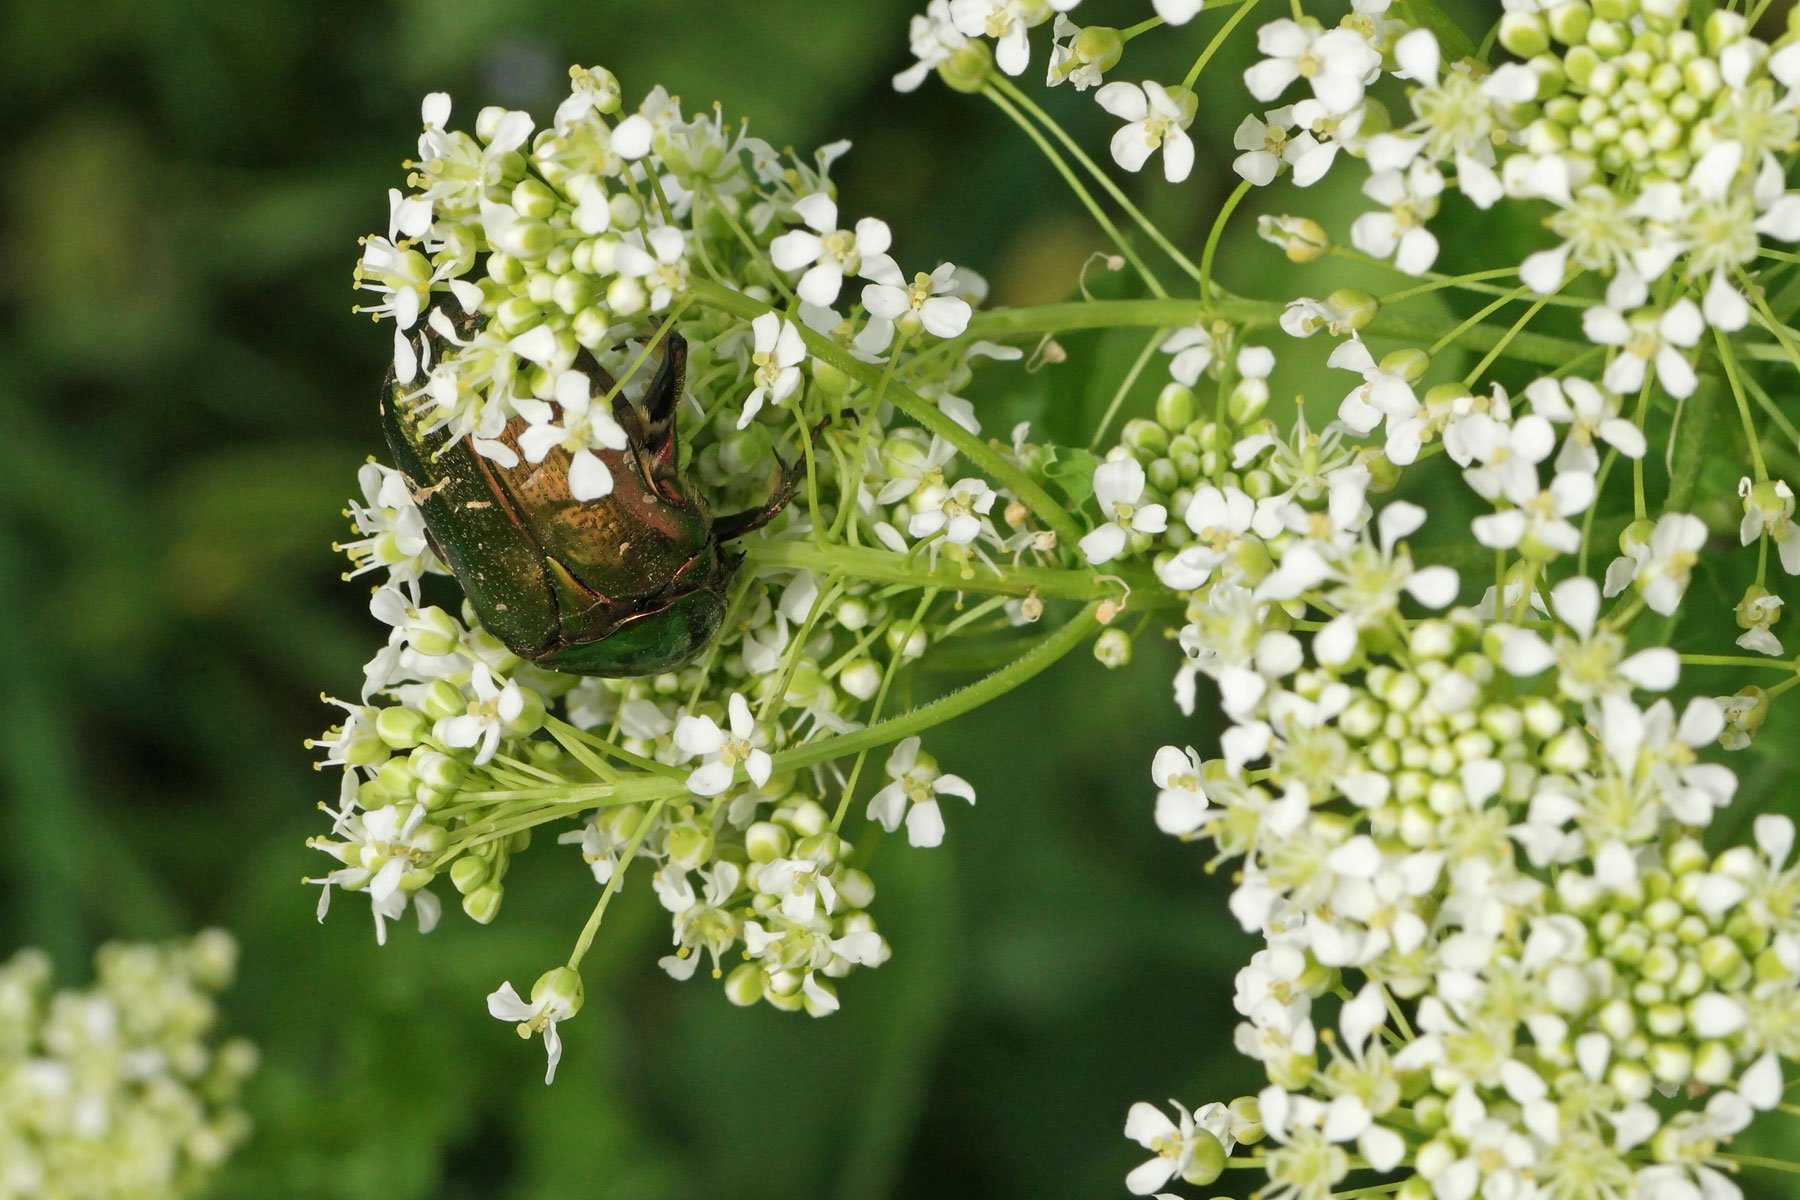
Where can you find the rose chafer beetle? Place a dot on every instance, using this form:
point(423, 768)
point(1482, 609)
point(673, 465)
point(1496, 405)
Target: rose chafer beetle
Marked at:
point(632, 583)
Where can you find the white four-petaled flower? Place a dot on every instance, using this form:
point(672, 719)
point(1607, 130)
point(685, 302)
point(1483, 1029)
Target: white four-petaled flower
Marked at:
point(1156, 118)
point(1119, 491)
point(776, 352)
point(917, 783)
point(722, 751)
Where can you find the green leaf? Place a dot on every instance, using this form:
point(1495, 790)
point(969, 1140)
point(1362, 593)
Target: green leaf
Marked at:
point(1072, 471)
point(1429, 14)
point(1701, 422)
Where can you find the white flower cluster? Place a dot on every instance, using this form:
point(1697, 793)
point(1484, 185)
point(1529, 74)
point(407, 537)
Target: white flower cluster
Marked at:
point(1659, 147)
point(1497, 959)
point(1471, 823)
point(519, 248)
point(122, 1089)
point(522, 263)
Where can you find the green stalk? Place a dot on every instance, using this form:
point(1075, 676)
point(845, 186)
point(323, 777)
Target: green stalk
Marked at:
point(946, 708)
point(983, 456)
point(1007, 105)
point(1105, 181)
point(884, 566)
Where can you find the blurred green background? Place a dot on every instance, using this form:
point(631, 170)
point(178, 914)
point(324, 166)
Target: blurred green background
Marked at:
point(186, 398)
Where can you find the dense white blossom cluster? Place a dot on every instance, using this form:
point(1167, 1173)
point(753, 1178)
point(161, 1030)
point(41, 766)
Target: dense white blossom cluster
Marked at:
point(120, 1090)
point(1467, 819)
point(525, 270)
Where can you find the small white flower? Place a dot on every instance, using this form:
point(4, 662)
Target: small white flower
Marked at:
point(1338, 63)
point(585, 424)
point(1068, 61)
point(1178, 12)
point(1383, 393)
point(1661, 565)
point(1175, 1146)
point(661, 261)
point(917, 783)
point(1411, 197)
point(1593, 662)
point(933, 37)
point(1756, 612)
point(959, 513)
point(1219, 518)
point(929, 299)
point(777, 353)
point(826, 253)
point(1769, 509)
point(1194, 349)
point(1541, 523)
point(722, 752)
point(492, 708)
point(1003, 20)
point(1155, 119)
point(555, 997)
point(1269, 145)
point(1119, 489)
point(1644, 337)
point(1591, 413)
point(1180, 800)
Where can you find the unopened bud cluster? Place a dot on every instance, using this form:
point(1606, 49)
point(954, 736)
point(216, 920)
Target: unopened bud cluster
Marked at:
point(122, 1089)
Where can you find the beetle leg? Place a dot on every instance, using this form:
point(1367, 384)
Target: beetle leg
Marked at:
point(787, 482)
point(665, 390)
point(652, 426)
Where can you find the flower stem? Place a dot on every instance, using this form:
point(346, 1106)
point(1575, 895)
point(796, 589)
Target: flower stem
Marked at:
point(1218, 40)
point(1729, 361)
point(1028, 105)
point(884, 566)
point(983, 456)
point(946, 708)
point(1218, 227)
point(997, 93)
point(1737, 660)
point(1125, 386)
point(612, 885)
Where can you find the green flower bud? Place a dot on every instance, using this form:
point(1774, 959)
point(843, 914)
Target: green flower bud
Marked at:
point(830, 380)
point(1357, 307)
point(968, 68)
point(443, 698)
point(690, 847)
point(402, 728)
point(1176, 408)
point(468, 873)
point(1722, 28)
point(766, 841)
point(397, 778)
point(823, 847)
point(534, 199)
point(1113, 648)
point(854, 888)
point(1410, 363)
point(1302, 239)
point(1146, 439)
point(483, 903)
point(1525, 34)
point(908, 644)
point(560, 988)
point(1208, 1161)
point(1671, 1062)
point(505, 270)
point(744, 986)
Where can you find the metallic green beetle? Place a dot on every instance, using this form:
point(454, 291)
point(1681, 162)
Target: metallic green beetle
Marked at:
point(630, 584)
